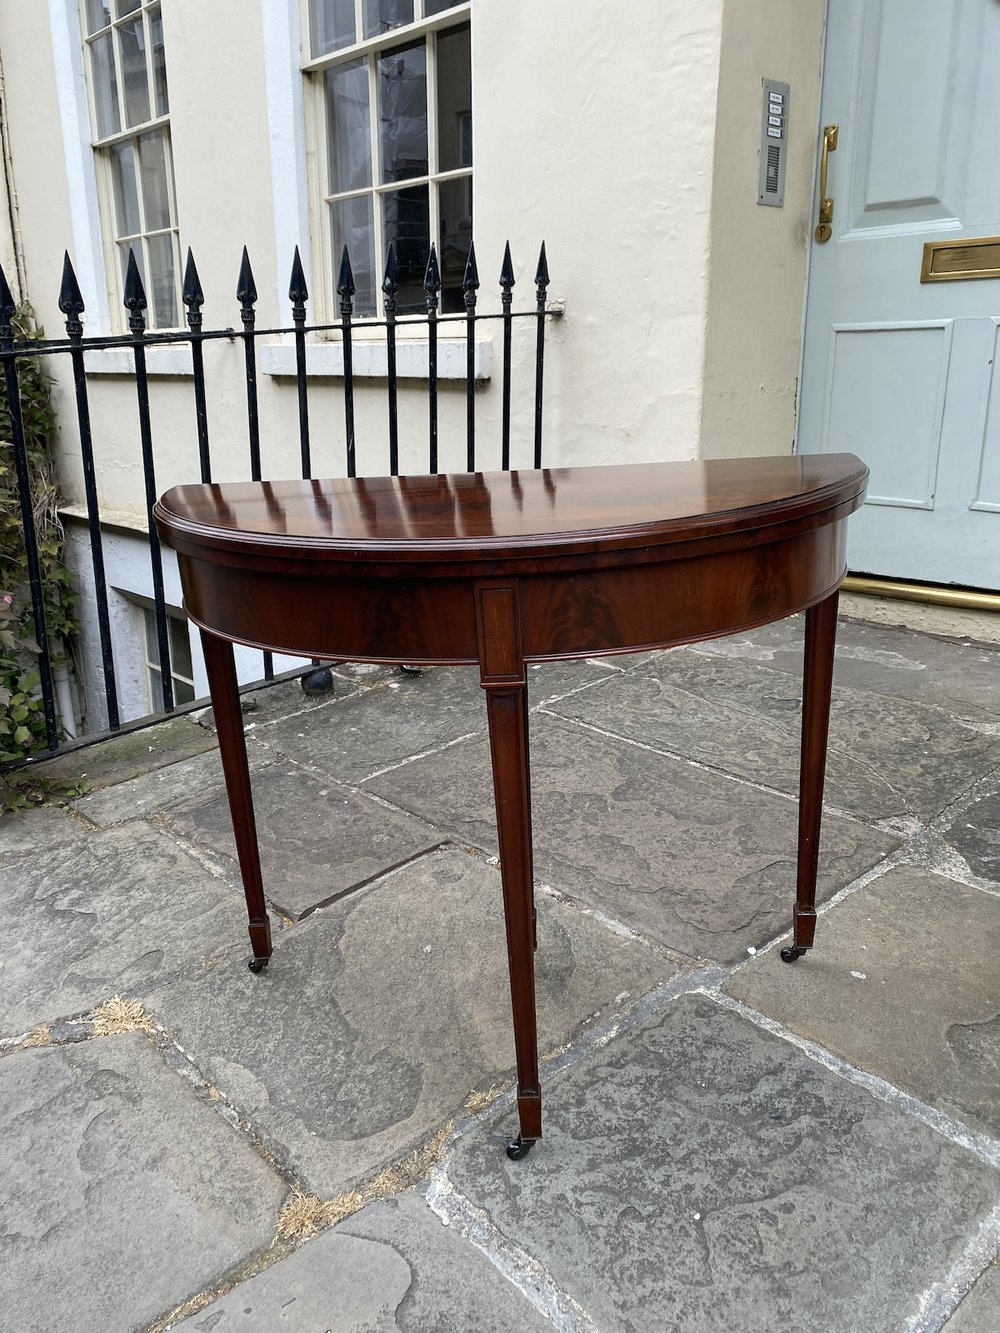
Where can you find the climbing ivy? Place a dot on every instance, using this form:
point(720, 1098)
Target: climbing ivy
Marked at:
point(22, 720)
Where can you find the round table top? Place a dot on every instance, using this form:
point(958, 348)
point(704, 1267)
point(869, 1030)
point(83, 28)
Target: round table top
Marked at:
point(465, 516)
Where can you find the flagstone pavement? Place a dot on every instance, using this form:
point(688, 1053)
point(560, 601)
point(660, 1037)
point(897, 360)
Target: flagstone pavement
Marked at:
point(729, 1143)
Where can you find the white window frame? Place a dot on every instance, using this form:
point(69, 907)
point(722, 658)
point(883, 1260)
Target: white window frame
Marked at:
point(176, 623)
point(327, 308)
point(65, 24)
point(100, 149)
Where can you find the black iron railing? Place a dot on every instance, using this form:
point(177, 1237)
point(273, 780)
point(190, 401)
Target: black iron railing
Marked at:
point(140, 339)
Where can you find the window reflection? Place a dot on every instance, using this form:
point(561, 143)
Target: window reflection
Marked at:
point(402, 112)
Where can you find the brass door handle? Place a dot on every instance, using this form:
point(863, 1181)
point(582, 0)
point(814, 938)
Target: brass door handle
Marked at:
point(824, 230)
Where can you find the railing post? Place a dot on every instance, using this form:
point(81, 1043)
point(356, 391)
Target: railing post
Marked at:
point(71, 304)
point(345, 290)
point(194, 299)
point(246, 294)
point(432, 285)
point(470, 285)
point(389, 287)
point(135, 304)
point(541, 288)
point(506, 299)
point(298, 294)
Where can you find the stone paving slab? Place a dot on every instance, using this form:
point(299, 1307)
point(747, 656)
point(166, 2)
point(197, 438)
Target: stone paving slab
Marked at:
point(30, 832)
point(316, 840)
point(108, 912)
point(353, 738)
point(888, 757)
point(378, 1015)
point(391, 1267)
point(903, 982)
point(954, 674)
point(123, 1192)
point(980, 1311)
point(698, 1173)
point(686, 857)
point(975, 833)
point(126, 756)
point(161, 788)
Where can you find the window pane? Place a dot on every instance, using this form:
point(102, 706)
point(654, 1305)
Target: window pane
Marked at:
point(98, 15)
point(455, 208)
point(105, 87)
point(380, 16)
point(351, 225)
point(159, 62)
point(438, 6)
point(402, 111)
point(127, 7)
point(152, 652)
point(180, 647)
point(406, 220)
point(454, 99)
point(163, 297)
point(155, 194)
point(183, 692)
point(331, 25)
point(132, 46)
point(124, 184)
point(349, 131)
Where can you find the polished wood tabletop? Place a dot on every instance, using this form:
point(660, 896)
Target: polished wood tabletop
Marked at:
point(512, 514)
point(502, 569)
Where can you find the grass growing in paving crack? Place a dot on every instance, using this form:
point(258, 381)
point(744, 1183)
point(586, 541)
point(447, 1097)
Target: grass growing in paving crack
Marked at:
point(119, 1015)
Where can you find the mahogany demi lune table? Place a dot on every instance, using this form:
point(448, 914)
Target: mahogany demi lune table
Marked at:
point(501, 569)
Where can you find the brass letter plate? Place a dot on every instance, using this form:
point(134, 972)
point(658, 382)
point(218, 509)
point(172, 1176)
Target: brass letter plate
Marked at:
point(956, 261)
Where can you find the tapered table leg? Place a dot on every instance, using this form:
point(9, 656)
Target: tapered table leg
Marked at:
point(503, 677)
point(222, 684)
point(817, 684)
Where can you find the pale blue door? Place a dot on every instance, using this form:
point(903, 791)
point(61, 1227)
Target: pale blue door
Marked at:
point(901, 372)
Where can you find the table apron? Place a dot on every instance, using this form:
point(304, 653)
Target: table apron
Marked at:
point(677, 600)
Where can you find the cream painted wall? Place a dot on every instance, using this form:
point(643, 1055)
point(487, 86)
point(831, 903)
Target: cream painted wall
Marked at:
point(594, 128)
point(759, 255)
point(595, 136)
point(32, 114)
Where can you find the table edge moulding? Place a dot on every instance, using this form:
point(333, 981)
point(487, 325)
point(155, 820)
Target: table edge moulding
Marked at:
point(502, 569)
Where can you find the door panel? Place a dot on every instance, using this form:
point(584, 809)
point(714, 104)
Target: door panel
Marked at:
point(882, 372)
point(901, 372)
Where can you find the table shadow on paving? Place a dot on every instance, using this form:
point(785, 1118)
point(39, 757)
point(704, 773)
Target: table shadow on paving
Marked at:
point(953, 674)
point(888, 757)
point(699, 1174)
point(123, 1192)
point(352, 738)
point(380, 1014)
point(686, 857)
point(316, 840)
